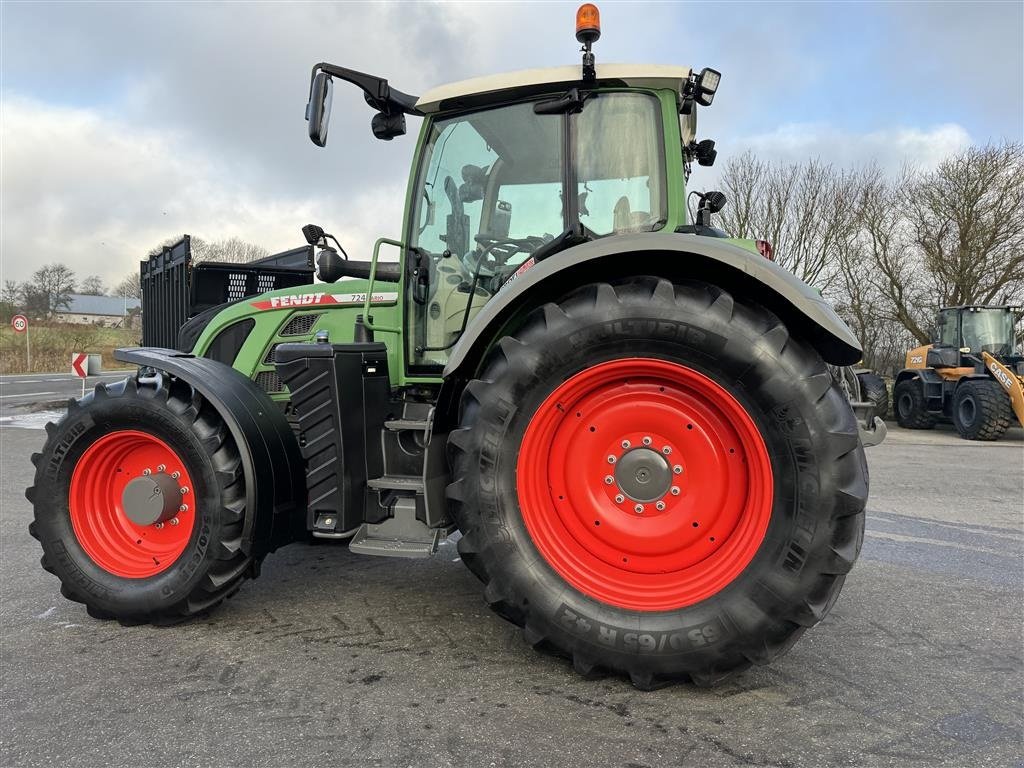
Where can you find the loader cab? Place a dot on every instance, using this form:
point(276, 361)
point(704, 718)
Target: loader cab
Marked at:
point(973, 330)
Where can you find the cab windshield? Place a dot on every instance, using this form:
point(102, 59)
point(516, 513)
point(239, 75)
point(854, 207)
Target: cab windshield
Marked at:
point(491, 190)
point(980, 330)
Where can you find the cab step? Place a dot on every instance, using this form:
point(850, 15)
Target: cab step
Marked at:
point(399, 536)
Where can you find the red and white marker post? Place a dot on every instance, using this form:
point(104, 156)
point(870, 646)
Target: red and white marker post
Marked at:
point(20, 325)
point(80, 367)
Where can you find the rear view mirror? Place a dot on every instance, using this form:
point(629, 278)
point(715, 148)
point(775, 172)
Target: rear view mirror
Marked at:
point(318, 110)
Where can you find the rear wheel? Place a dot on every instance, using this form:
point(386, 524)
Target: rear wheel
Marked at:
point(658, 480)
point(911, 413)
point(981, 410)
point(139, 501)
point(873, 389)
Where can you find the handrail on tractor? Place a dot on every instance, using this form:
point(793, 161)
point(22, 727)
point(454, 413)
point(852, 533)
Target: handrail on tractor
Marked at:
point(367, 322)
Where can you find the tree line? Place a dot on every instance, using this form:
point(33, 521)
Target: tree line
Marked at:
point(889, 250)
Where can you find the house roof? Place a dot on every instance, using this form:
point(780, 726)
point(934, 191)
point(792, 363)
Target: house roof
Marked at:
point(84, 304)
point(478, 90)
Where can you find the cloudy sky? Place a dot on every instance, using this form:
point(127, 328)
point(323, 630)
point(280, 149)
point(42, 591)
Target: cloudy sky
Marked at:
point(124, 124)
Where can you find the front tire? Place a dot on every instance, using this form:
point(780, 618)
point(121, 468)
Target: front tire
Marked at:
point(186, 556)
point(762, 447)
point(910, 406)
point(981, 410)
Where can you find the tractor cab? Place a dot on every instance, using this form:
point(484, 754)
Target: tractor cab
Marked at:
point(512, 169)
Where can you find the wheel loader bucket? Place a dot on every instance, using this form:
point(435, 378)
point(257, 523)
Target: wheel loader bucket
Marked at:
point(1013, 384)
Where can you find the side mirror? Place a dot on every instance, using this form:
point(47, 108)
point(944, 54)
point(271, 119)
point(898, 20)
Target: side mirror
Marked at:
point(329, 265)
point(318, 110)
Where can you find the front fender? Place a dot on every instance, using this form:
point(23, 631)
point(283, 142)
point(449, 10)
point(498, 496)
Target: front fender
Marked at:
point(674, 257)
point(274, 469)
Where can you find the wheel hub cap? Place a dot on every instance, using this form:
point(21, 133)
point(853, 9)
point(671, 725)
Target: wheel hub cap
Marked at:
point(643, 475)
point(150, 499)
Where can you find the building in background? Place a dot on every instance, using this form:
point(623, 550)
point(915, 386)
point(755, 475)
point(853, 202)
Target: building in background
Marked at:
point(108, 311)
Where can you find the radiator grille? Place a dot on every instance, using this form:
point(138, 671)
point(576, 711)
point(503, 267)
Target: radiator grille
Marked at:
point(300, 326)
point(269, 381)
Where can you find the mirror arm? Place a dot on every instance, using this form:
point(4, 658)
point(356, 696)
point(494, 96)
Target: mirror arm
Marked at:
point(379, 94)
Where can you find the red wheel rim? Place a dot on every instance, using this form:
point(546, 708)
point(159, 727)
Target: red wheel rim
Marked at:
point(115, 543)
point(580, 479)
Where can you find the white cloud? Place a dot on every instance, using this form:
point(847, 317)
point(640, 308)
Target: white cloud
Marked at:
point(96, 193)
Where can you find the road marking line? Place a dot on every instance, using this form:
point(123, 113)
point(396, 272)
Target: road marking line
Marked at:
point(935, 542)
point(32, 394)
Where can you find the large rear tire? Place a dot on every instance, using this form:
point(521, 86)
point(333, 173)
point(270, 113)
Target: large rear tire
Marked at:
point(981, 410)
point(910, 407)
point(658, 480)
point(111, 548)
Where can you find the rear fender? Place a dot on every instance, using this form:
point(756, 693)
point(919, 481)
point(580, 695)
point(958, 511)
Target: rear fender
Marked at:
point(273, 466)
point(674, 257)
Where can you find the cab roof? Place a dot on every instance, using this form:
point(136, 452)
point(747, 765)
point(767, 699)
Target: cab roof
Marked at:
point(493, 89)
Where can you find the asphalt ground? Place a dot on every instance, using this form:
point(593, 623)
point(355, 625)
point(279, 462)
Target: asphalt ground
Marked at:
point(331, 658)
point(30, 391)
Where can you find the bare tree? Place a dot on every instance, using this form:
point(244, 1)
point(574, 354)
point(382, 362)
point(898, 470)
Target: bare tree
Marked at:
point(128, 286)
point(92, 286)
point(233, 250)
point(49, 290)
point(967, 218)
point(804, 210)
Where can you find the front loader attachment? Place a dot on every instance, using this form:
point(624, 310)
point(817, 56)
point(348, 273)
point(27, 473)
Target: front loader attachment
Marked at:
point(1013, 384)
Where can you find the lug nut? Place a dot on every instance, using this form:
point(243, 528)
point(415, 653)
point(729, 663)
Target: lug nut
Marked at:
point(147, 471)
point(660, 505)
point(158, 526)
point(184, 490)
point(183, 508)
point(675, 491)
point(608, 479)
point(611, 459)
point(647, 441)
point(174, 521)
point(666, 450)
point(619, 499)
point(625, 443)
point(175, 475)
point(161, 468)
point(639, 509)
point(677, 469)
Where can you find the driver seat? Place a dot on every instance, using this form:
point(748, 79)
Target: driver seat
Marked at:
point(625, 220)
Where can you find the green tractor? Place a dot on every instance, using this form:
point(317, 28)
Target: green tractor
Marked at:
point(628, 417)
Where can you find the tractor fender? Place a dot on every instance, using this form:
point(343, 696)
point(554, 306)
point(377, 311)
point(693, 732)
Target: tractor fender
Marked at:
point(273, 466)
point(674, 257)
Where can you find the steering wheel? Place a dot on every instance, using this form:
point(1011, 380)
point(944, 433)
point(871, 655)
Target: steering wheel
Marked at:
point(496, 252)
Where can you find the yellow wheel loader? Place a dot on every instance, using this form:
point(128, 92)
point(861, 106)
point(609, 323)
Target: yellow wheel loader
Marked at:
point(972, 374)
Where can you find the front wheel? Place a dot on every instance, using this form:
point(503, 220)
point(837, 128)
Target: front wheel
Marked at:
point(139, 501)
point(981, 410)
point(658, 480)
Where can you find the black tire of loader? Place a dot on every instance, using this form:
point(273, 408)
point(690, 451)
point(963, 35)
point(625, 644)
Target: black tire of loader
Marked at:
point(910, 406)
point(981, 410)
point(873, 390)
point(213, 565)
point(817, 523)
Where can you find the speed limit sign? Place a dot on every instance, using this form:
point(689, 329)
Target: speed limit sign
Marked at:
point(19, 323)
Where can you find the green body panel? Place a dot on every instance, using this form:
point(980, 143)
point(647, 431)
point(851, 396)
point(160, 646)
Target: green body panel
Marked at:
point(338, 319)
point(388, 307)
